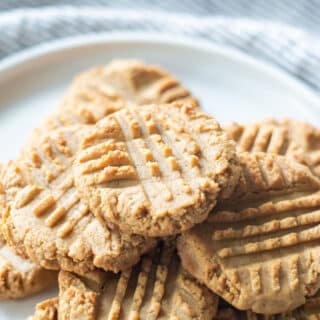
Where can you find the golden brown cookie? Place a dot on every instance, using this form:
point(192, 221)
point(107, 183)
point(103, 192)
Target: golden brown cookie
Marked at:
point(155, 170)
point(286, 137)
point(260, 248)
point(309, 311)
point(157, 288)
point(20, 277)
point(106, 89)
point(46, 310)
point(47, 221)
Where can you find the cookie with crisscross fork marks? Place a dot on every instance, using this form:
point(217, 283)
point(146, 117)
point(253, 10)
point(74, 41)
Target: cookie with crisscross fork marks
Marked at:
point(19, 277)
point(155, 170)
point(156, 288)
point(285, 137)
point(309, 311)
point(260, 248)
point(47, 221)
point(105, 89)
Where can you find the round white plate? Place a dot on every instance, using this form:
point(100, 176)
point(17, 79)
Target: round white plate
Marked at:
point(230, 86)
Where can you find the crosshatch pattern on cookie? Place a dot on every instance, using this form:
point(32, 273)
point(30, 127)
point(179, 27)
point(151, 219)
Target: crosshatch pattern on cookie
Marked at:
point(260, 249)
point(19, 277)
point(103, 90)
point(286, 137)
point(56, 228)
point(157, 288)
point(155, 170)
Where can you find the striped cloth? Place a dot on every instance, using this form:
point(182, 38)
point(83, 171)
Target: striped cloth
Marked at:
point(283, 32)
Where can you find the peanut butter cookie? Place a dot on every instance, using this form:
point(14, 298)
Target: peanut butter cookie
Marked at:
point(106, 89)
point(309, 311)
point(19, 277)
point(155, 170)
point(286, 137)
point(260, 248)
point(46, 310)
point(157, 288)
point(47, 221)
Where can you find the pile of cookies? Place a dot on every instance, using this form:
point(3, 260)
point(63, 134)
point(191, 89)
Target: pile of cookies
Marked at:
point(148, 209)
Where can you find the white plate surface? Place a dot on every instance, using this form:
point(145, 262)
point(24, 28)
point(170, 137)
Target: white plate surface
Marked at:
point(230, 86)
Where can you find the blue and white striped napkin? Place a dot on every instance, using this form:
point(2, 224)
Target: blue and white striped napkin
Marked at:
point(255, 27)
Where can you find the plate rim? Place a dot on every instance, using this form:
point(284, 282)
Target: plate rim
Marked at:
point(57, 46)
